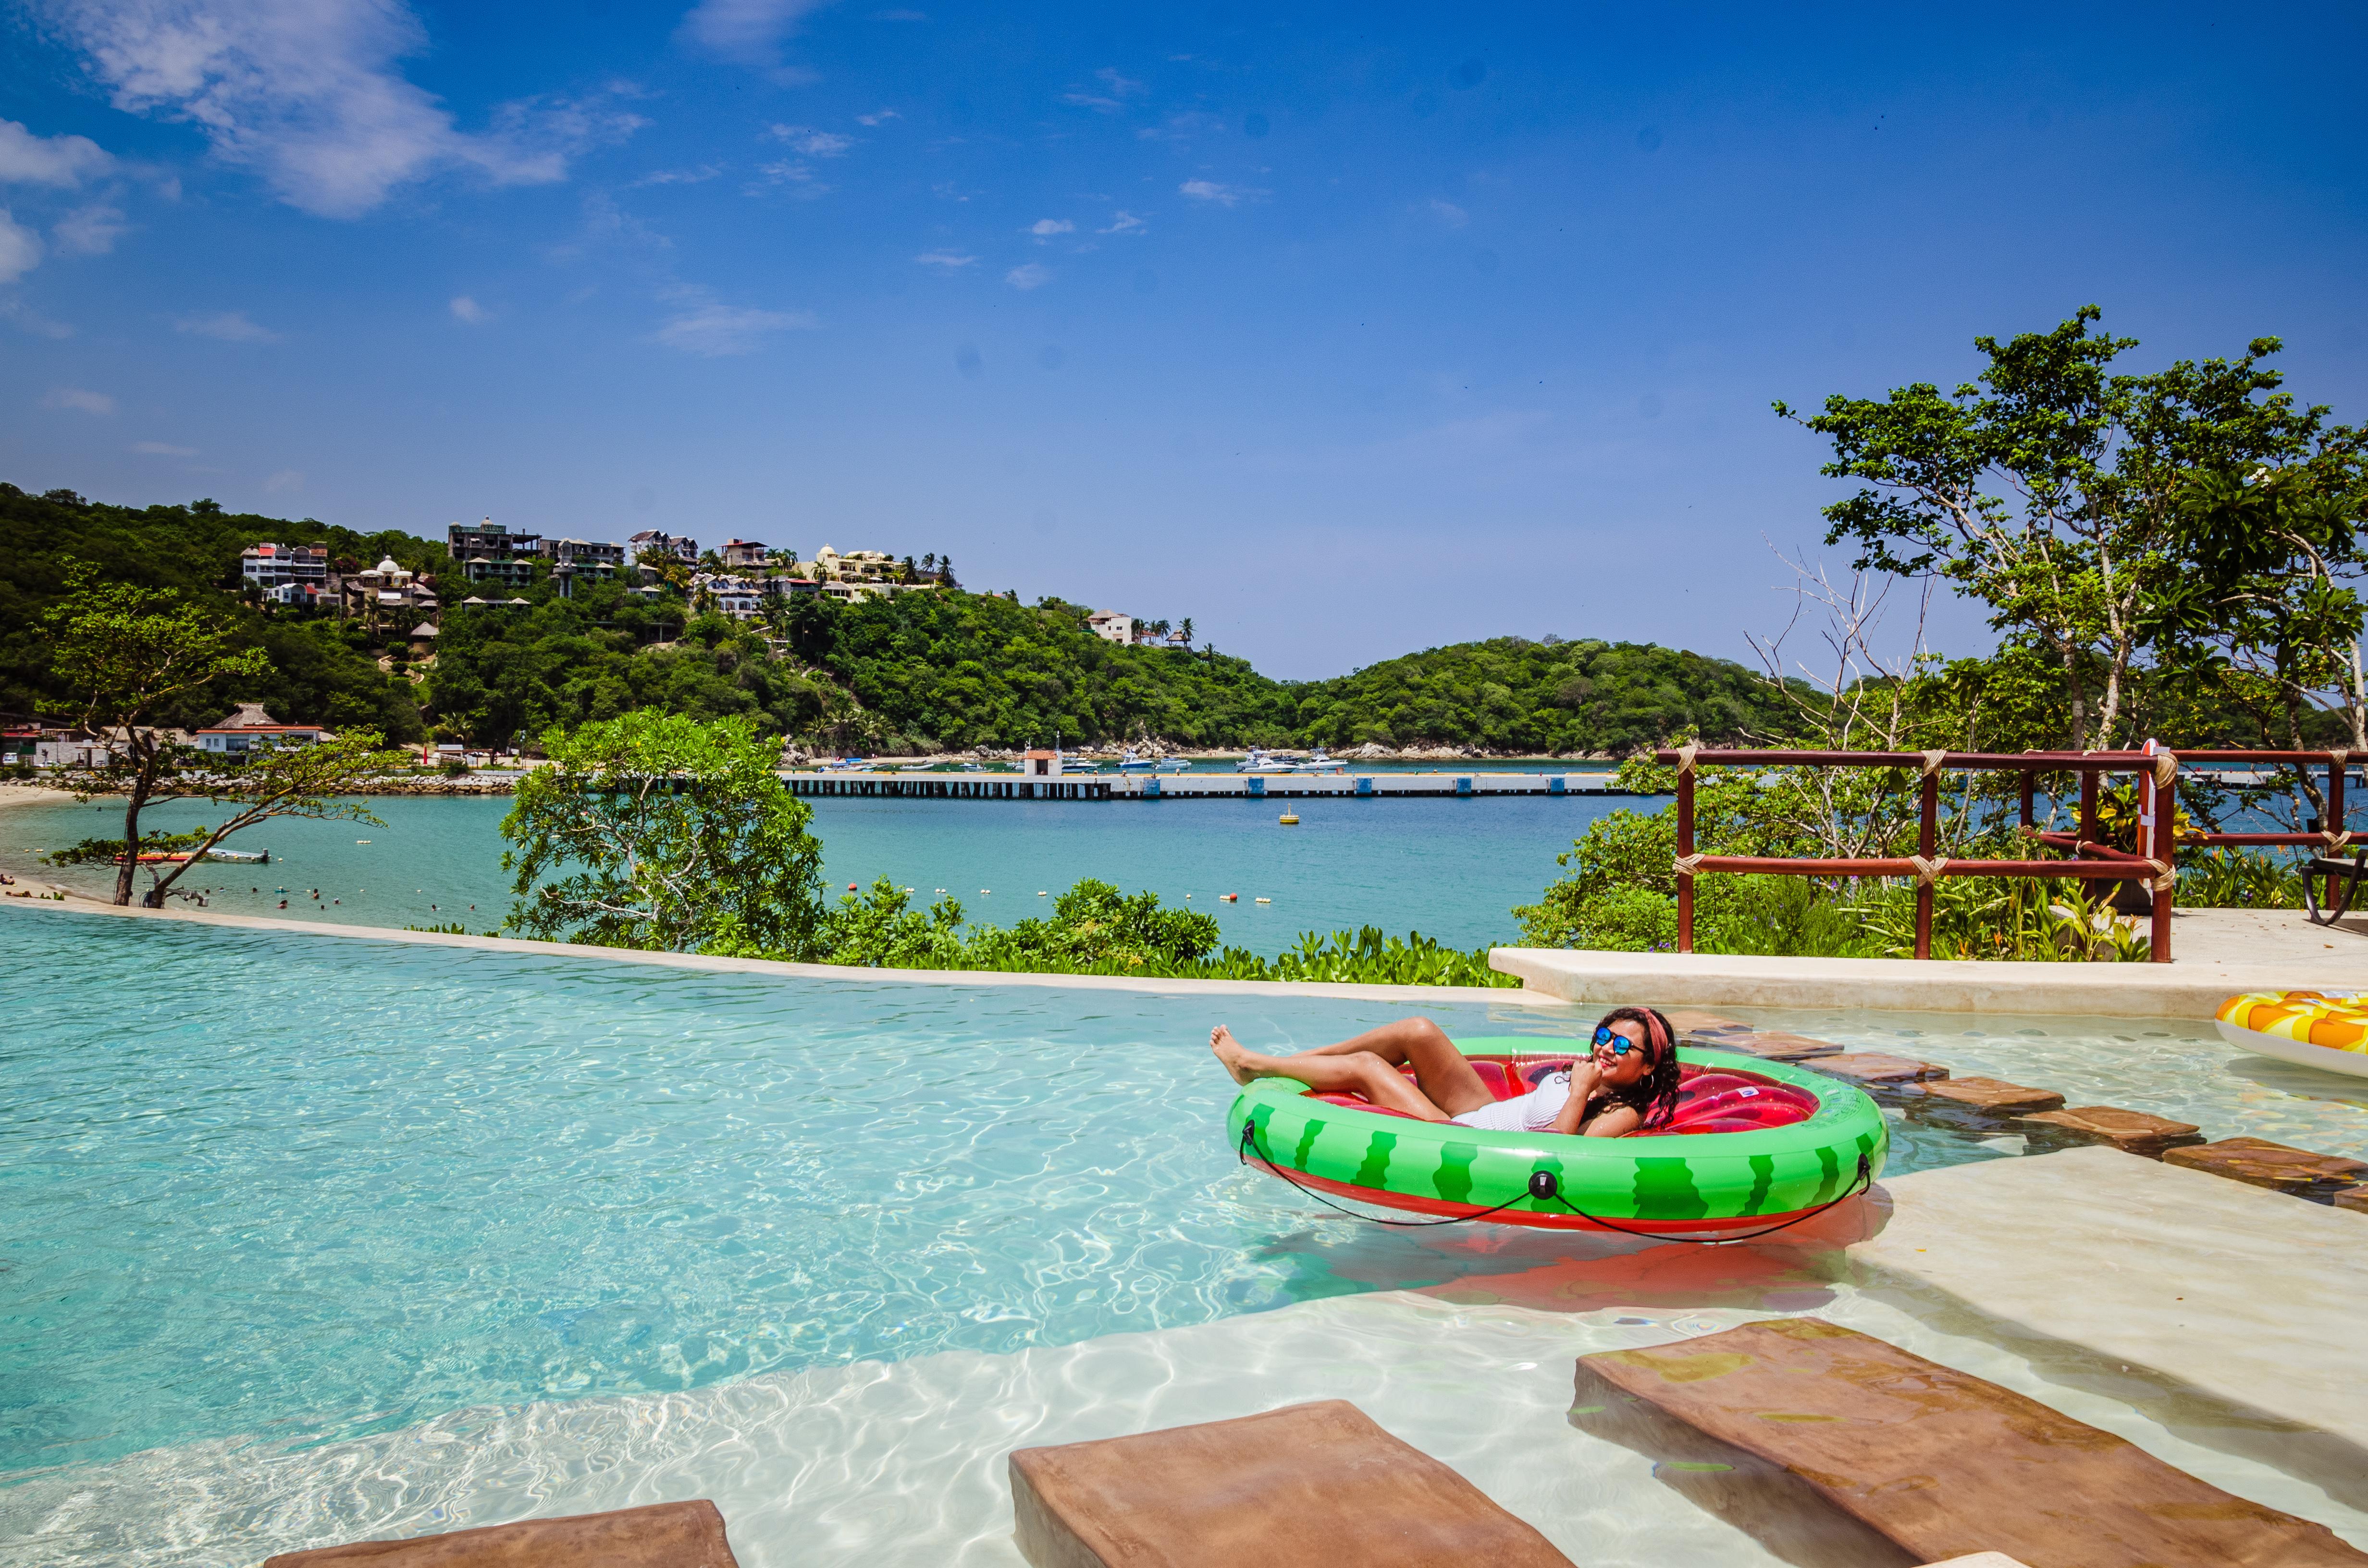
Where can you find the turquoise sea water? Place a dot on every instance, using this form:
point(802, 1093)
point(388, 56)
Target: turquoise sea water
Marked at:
point(1450, 869)
point(285, 1188)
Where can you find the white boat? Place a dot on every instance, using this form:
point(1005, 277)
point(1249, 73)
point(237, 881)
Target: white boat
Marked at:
point(1130, 763)
point(1263, 761)
point(241, 856)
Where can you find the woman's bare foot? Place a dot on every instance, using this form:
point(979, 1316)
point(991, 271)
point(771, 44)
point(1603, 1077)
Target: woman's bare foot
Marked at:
point(1231, 1053)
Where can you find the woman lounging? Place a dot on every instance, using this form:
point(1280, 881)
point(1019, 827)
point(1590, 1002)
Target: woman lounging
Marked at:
point(1629, 1082)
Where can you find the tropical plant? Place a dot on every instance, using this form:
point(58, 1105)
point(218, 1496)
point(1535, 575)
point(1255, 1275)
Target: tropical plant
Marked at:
point(132, 662)
point(657, 831)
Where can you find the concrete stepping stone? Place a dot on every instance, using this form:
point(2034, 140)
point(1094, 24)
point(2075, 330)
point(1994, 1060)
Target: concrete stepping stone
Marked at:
point(1993, 1095)
point(1692, 1021)
point(1317, 1482)
point(2260, 1163)
point(2132, 1129)
point(1944, 1465)
point(663, 1535)
point(1771, 1045)
point(1878, 1067)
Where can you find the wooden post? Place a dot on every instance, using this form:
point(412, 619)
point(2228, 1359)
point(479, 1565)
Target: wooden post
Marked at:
point(1928, 840)
point(2087, 805)
point(2165, 849)
point(2333, 823)
point(2030, 778)
point(1685, 848)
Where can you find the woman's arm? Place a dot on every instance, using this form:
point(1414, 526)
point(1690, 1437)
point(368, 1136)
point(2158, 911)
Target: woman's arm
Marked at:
point(1584, 1077)
point(1617, 1122)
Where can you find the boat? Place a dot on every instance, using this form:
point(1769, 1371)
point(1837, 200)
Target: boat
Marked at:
point(1132, 762)
point(1260, 760)
point(1754, 1145)
point(243, 856)
point(2326, 1030)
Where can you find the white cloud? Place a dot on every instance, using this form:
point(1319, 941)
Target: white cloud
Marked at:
point(946, 260)
point(681, 176)
point(1045, 228)
point(750, 31)
point(881, 118)
point(1222, 195)
point(811, 143)
point(88, 231)
point(308, 93)
point(1109, 98)
point(1449, 213)
point(231, 326)
point(468, 310)
point(706, 326)
point(1124, 223)
point(795, 178)
point(286, 480)
point(21, 248)
point(25, 319)
point(161, 450)
point(76, 397)
point(64, 160)
point(1028, 277)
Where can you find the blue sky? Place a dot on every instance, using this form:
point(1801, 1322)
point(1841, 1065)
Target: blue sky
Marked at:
point(1343, 331)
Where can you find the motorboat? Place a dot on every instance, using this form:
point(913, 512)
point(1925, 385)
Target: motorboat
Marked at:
point(1130, 763)
point(1263, 761)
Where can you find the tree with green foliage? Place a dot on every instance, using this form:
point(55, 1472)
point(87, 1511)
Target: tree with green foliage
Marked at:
point(312, 781)
point(132, 662)
point(657, 831)
point(2051, 489)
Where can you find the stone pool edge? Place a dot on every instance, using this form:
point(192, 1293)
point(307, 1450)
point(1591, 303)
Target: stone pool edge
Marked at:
point(2115, 991)
point(1525, 996)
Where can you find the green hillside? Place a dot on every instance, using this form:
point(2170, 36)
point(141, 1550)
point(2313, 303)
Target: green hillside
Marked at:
point(920, 671)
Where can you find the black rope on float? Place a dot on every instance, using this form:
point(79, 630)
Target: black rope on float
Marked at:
point(1544, 1185)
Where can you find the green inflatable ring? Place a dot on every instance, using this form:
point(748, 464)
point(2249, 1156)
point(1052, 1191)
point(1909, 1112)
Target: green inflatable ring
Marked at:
point(1660, 1184)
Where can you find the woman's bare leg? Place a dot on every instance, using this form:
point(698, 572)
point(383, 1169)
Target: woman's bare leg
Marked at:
point(1449, 1085)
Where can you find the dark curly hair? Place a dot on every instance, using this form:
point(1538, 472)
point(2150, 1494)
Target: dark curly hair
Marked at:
point(1653, 1098)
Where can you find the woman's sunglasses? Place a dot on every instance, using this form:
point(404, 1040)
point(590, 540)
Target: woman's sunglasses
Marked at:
point(1620, 1044)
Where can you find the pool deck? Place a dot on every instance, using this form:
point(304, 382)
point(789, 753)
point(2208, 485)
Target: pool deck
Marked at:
point(2213, 1325)
point(2219, 953)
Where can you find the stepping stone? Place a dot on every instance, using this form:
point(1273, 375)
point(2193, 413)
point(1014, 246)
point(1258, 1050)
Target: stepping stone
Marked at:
point(664, 1535)
point(2132, 1129)
point(1944, 1465)
point(2259, 1162)
point(1875, 1067)
point(1315, 1483)
point(1771, 1047)
point(1689, 1021)
point(1994, 1094)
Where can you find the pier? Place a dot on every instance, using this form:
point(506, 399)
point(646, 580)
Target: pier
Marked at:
point(1468, 785)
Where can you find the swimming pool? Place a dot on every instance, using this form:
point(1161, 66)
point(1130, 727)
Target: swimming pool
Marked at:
point(295, 1187)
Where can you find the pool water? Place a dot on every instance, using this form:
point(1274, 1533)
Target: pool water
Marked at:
point(293, 1188)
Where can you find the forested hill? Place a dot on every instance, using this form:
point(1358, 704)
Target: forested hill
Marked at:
point(921, 671)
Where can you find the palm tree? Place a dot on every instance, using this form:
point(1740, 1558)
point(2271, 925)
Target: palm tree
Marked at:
point(1187, 629)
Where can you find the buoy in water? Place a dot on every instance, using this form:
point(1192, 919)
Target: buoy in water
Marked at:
point(1230, 897)
point(1266, 901)
point(1289, 818)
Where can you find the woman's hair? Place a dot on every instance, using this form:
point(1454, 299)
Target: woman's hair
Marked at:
point(1653, 1097)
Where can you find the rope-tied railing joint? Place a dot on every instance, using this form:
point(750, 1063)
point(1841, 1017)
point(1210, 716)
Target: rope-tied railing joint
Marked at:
point(1933, 760)
point(1684, 865)
point(1927, 871)
point(2165, 769)
point(1686, 759)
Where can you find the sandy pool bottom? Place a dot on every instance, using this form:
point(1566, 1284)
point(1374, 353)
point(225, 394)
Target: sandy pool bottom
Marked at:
point(2209, 1323)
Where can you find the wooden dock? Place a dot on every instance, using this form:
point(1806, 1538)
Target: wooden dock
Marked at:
point(1469, 785)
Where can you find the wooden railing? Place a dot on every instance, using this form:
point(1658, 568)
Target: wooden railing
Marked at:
point(2157, 771)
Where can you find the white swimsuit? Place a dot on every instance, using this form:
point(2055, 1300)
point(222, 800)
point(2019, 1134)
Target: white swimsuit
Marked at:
point(1532, 1112)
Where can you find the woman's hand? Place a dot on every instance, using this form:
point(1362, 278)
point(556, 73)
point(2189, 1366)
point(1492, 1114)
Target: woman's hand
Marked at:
point(1585, 1076)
